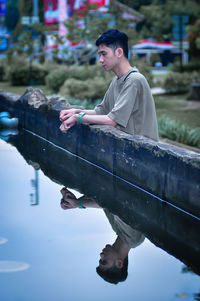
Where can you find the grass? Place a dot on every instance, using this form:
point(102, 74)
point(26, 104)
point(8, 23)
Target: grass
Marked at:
point(178, 118)
point(179, 109)
point(20, 89)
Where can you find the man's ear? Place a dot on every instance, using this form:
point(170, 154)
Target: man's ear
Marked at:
point(119, 52)
point(119, 263)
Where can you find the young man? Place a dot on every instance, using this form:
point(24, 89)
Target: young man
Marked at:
point(128, 104)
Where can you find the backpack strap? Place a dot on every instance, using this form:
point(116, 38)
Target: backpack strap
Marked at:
point(133, 71)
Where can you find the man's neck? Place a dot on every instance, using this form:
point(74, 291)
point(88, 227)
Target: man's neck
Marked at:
point(121, 247)
point(122, 69)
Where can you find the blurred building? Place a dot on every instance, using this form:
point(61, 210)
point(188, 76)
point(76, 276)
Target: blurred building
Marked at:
point(3, 30)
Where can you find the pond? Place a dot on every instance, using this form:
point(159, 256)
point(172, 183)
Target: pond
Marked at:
point(47, 253)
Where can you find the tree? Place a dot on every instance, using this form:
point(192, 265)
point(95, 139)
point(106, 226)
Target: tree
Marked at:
point(194, 39)
point(93, 24)
point(16, 9)
point(12, 14)
point(158, 16)
point(136, 4)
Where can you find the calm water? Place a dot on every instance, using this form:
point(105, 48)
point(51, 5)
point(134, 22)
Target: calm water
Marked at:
point(47, 253)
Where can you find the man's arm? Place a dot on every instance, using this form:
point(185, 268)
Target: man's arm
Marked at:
point(65, 114)
point(91, 119)
point(69, 200)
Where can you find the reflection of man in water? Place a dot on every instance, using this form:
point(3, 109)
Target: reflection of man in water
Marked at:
point(113, 263)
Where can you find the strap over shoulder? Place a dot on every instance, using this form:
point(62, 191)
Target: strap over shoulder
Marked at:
point(132, 71)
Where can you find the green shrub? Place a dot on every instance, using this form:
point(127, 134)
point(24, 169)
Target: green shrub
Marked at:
point(58, 76)
point(179, 82)
point(88, 104)
point(55, 79)
point(21, 73)
point(173, 130)
point(49, 66)
point(92, 89)
point(144, 68)
point(190, 67)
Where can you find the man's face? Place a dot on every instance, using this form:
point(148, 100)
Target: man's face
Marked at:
point(107, 57)
point(108, 257)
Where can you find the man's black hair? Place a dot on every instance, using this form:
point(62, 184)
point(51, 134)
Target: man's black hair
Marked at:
point(114, 38)
point(114, 274)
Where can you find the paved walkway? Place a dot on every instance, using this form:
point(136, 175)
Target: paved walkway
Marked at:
point(157, 90)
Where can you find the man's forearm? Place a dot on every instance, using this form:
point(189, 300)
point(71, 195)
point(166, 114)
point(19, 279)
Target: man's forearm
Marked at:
point(88, 202)
point(88, 112)
point(98, 119)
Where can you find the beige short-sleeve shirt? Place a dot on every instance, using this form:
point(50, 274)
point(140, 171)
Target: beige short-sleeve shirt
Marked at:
point(129, 102)
point(130, 236)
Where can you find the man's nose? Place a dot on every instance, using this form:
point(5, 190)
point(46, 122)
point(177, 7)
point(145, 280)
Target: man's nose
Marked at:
point(101, 59)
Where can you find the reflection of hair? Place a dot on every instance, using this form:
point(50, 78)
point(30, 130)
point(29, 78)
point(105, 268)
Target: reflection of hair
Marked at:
point(114, 38)
point(114, 274)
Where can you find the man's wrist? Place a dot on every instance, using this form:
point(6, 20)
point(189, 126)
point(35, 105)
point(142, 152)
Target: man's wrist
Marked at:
point(80, 204)
point(80, 116)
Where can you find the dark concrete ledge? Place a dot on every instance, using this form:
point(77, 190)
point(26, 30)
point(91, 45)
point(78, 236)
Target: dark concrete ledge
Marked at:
point(166, 171)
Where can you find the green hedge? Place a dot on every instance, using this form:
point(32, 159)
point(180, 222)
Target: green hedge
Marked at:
point(180, 82)
point(179, 132)
point(93, 88)
point(87, 104)
point(190, 67)
point(58, 76)
point(144, 68)
point(21, 73)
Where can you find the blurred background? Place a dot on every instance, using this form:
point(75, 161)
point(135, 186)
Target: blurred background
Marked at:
point(50, 44)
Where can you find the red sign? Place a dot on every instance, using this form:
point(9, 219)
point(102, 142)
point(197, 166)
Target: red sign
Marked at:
point(51, 12)
point(75, 5)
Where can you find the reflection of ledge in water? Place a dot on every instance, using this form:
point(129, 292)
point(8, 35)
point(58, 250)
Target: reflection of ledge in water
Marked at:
point(165, 225)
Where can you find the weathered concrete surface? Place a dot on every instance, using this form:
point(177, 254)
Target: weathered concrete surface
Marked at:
point(165, 225)
point(169, 172)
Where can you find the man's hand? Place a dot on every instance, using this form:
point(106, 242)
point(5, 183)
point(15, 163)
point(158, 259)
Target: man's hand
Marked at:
point(65, 114)
point(68, 123)
point(68, 201)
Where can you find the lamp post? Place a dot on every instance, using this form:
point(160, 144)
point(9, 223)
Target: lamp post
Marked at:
point(35, 8)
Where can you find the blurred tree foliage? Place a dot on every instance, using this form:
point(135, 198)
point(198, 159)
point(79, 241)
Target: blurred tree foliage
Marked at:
point(158, 16)
point(18, 8)
point(92, 25)
point(12, 14)
point(194, 38)
point(136, 4)
point(157, 23)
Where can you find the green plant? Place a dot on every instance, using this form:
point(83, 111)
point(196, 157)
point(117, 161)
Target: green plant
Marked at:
point(175, 81)
point(21, 72)
point(56, 78)
point(193, 65)
point(143, 67)
point(179, 132)
point(92, 89)
point(87, 104)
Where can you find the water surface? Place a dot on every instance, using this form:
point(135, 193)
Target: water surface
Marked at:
point(47, 253)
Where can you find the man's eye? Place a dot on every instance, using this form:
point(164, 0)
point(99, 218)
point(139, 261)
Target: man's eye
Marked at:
point(103, 262)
